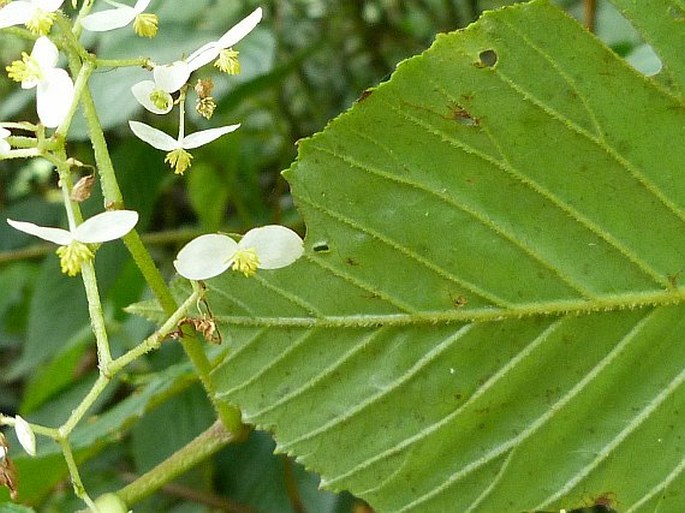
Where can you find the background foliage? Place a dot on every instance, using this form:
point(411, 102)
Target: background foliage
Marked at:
point(308, 61)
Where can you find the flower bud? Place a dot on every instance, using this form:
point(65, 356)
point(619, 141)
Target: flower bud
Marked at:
point(111, 503)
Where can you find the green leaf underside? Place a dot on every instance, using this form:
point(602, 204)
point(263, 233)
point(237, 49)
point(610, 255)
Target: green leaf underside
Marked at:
point(488, 314)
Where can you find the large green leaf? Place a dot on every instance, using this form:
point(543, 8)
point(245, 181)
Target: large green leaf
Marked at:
point(488, 316)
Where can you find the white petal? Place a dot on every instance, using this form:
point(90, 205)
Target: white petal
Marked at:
point(109, 19)
point(48, 5)
point(206, 136)
point(29, 84)
point(275, 245)
point(113, 3)
point(141, 5)
point(152, 136)
point(45, 52)
point(241, 29)
point(56, 235)
point(25, 435)
point(203, 55)
point(207, 53)
point(16, 13)
point(171, 77)
point(205, 256)
point(142, 91)
point(4, 145)
point(106, 226)
point(54, 98)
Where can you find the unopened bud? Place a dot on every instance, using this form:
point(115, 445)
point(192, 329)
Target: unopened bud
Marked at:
point(82, 189)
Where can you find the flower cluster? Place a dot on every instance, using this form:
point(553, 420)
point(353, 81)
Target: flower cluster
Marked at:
point(207, 256)
point(157, 95)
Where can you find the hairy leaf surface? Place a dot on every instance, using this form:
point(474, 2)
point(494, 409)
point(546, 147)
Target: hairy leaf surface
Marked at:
point(489, 313)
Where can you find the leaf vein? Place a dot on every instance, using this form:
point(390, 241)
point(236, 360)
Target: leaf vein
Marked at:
point(537, 423)
point(404, 378)
point(479, 392)
point(406, 252)
point(574, 214)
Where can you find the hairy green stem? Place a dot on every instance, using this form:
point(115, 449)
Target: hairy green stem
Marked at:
point(78, 413)
point(202, 447)
point(155, 340)
point(113, 198)
point(76, 482)
point(97, 317)
point(22, 142)
point(79, 85)
point(83, 12)
point(142, 62)
point(229, 426)
point(108, 181)
point(22, 154)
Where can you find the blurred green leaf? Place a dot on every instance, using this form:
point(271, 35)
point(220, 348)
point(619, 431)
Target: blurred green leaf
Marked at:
point(481, 321)
point(185, 416)
point(13, 282)
point(54, 377)
point(251, 474)
point(58, 319)
point(209, 196)
point(15, 508)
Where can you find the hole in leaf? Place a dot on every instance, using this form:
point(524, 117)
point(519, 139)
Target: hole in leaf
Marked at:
point(320, 247)
point(488, 58)
point(644, 59)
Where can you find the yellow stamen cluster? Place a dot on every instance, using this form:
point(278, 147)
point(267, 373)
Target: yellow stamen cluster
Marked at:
point(179, 160)
point(246, 261)
point(228, 61)
point(146, 25)
point(72, 257)
point(41, 23)
point(205, 103)
point(160, 99)
point(205, 107)
point(25, 69)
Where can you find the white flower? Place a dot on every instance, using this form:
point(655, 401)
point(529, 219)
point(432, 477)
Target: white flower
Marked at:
point(37, 15)
point(267, 247)
point(120, 16)
point(155, 95)
point(25, 435)
point(73, 251)
point(177, 155)
point(4, 145)
point(55, 90)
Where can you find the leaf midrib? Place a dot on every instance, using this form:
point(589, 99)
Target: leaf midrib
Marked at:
point(576, 307)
